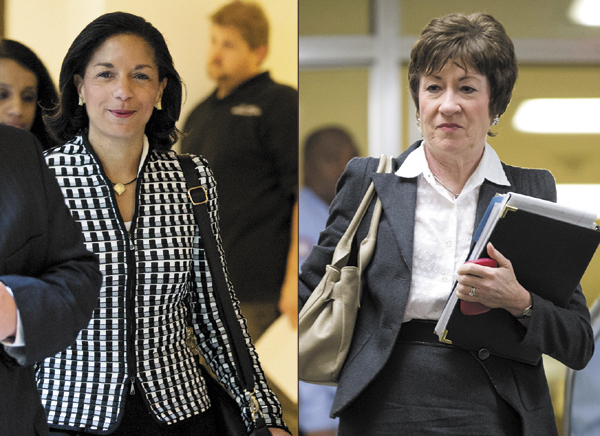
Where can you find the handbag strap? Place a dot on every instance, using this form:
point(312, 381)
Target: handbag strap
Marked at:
point(241, 357)
point(344, 246)
point(367, 245)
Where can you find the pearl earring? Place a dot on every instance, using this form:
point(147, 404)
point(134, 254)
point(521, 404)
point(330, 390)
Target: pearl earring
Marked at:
point(495, 121)
point(418, 122)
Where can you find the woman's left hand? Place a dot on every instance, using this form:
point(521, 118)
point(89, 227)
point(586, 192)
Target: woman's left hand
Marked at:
point(278, 432)
point(494, 287)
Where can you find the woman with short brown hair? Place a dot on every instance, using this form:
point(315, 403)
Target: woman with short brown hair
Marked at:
point(398, 378)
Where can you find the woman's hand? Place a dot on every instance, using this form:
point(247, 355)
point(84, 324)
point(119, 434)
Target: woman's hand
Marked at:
point(8, 315)
point(494, 287)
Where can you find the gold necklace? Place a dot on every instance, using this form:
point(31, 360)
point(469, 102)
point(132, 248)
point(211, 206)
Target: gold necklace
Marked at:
point(120, 187)
point(445, 187)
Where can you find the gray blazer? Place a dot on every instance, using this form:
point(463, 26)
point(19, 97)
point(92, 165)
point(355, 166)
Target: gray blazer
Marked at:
point(386, 285)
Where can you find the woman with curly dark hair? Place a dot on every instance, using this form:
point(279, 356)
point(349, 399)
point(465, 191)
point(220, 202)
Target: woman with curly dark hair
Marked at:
point(130, 372)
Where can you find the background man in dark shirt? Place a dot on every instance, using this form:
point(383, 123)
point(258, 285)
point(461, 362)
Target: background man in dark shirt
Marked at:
point(247, 129)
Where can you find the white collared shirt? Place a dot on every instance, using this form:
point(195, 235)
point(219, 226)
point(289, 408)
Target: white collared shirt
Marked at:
point(443, 230)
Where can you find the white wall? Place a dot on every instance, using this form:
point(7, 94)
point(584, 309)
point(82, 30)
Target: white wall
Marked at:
point(49, 28)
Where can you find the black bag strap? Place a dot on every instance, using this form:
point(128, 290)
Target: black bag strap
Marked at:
point(241, 357)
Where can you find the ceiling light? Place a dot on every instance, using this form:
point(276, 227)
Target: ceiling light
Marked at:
point(558, 115)
point(585, 12)
point(584, 197)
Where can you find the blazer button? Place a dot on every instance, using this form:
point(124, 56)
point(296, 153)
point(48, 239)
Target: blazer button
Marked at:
point(483, 354)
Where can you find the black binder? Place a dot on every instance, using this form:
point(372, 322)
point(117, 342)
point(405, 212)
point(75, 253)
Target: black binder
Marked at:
point(549, 257)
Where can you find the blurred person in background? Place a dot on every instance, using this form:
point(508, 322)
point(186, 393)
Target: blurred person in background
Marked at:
point(327, 150)
point(25, 90)
point(247, 129)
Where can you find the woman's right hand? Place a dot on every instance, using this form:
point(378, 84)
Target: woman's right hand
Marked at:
point(493, 287)
point(8, 314)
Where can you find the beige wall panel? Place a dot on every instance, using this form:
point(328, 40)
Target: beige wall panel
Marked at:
point(335, 17)
point(336, 97)
point(522, 19)
point(571, 158)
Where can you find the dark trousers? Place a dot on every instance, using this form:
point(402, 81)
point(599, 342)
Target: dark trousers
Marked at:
point(430, 389)
point(137, 420)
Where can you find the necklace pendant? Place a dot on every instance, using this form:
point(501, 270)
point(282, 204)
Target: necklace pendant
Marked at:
point(119, 188)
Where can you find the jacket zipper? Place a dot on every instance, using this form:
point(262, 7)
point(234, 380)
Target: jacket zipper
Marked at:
point(130, 308)
point(130, 318)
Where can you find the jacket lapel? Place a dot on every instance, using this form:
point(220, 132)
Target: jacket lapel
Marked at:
point(398, 199)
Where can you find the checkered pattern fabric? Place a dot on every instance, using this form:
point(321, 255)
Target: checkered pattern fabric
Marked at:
point(151, 276)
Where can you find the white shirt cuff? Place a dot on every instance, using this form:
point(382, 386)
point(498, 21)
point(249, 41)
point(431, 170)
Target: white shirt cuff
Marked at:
point(19, 340)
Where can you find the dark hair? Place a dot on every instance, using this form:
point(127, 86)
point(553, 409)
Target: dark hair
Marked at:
point(248, 18)
point(323, 137)
point(47, 97)
point(470, 41)
point(71, 118)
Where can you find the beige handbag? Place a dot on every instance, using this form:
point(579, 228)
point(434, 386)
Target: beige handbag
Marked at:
point(326, 322)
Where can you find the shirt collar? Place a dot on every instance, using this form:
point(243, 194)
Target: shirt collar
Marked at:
point(145, 150)
point(489, 168)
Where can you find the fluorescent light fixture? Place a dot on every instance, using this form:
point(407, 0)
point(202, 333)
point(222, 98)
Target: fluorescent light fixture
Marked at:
point(579, 196)
point(585, 12)
point(558, 115)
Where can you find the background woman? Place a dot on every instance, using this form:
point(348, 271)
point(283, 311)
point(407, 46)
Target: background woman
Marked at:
point(25, 90)
point(398, 378)
point(130, 371)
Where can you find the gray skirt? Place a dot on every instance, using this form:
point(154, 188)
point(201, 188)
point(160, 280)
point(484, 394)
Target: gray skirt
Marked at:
point(430, 389)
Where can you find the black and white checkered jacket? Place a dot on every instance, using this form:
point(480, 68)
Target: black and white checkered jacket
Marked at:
point(135, 342)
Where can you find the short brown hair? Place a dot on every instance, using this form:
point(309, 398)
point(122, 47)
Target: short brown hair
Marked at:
point(248, 18)
point(477, 41)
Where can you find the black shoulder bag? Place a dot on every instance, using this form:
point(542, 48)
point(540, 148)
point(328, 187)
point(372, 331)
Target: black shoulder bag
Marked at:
point(227, 413)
